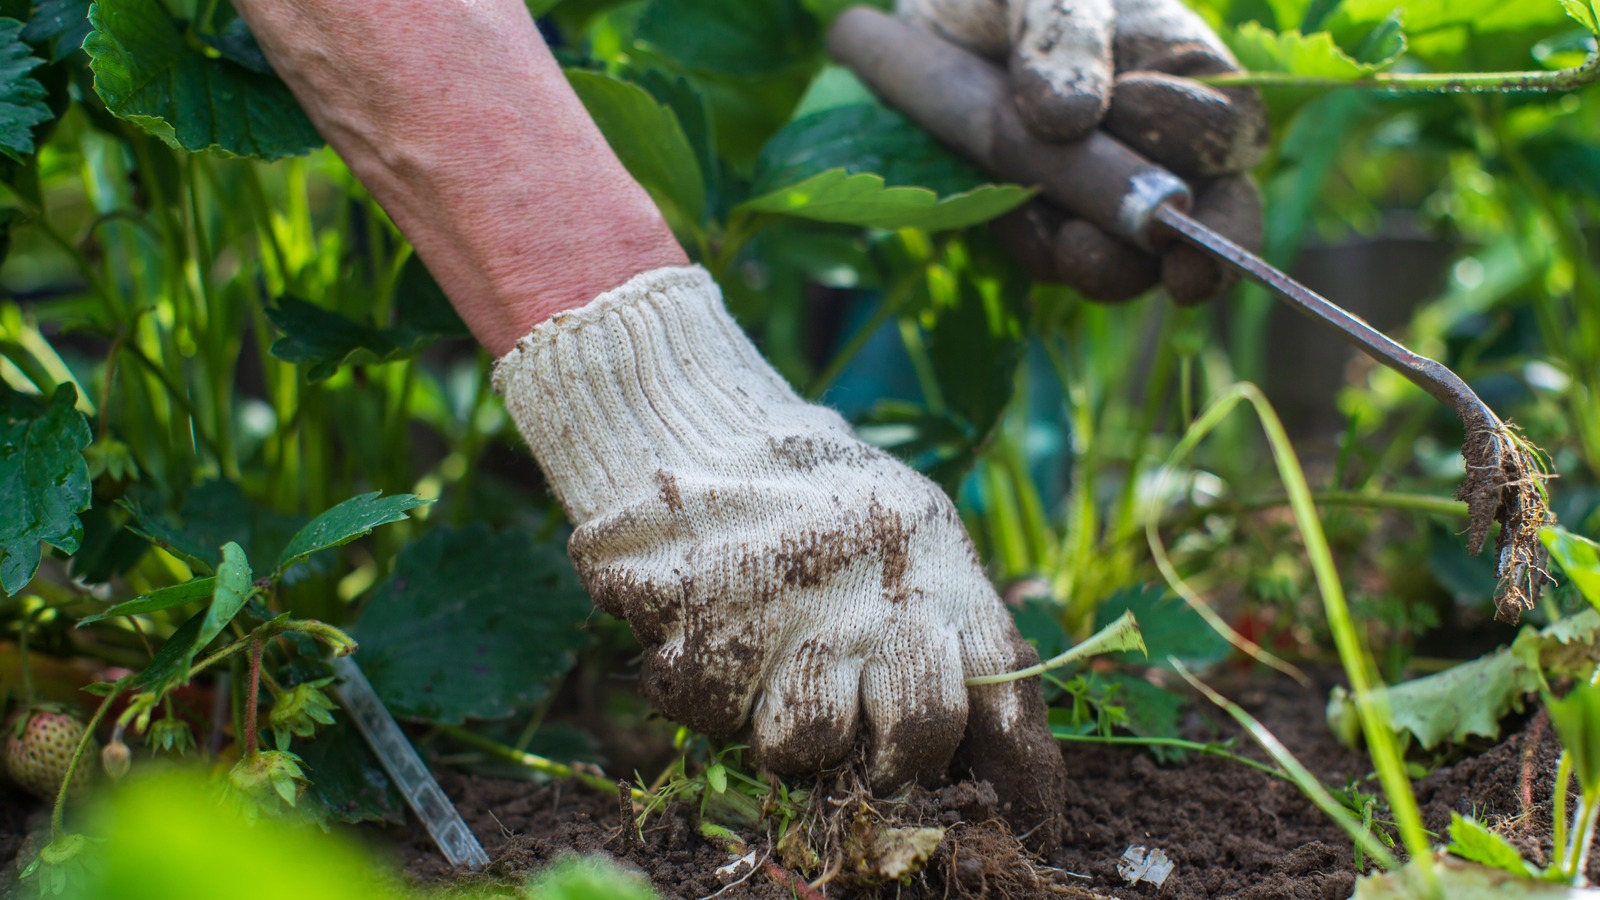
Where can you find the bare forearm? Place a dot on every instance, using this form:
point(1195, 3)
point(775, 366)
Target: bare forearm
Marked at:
point(458, 120)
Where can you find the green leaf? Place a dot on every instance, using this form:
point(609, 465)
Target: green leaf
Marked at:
point(1576, 719)
point(1584, 12)
point(324, 340)
point(231, 589)
point(717, 777)
point(347, 782)
point(214, 513)
point(731, 37)
point(471, 624)
point(162, 598)
point(170, 667)
point(1470, 699)
point(346, 522)
point(22, 103)
point(1458, 881)
point(66, 22)
point(1579, 558)
point(1313, 56)
point(827, 10)
point(44, 481)
point(1152, 711)
point(647, 138)
point(589, 878)
point(146, 71)
point(1170, 628)
point(1471, 839)
point(864, 164)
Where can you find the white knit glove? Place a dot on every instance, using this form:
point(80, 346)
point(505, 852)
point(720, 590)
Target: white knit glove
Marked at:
point(793, 587)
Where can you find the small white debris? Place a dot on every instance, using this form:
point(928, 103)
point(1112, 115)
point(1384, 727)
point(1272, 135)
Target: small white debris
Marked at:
point(746, 861)
point(1138, 865)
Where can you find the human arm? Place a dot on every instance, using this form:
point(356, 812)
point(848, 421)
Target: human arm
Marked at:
point(794, 588)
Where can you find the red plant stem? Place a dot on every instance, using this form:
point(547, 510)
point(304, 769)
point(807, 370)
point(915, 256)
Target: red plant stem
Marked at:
point(250, 699)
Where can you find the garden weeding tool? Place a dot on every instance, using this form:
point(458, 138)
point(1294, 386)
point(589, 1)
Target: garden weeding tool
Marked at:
point(966, 102)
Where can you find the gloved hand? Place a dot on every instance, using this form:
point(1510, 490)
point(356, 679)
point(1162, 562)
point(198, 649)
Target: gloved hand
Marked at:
point(1126, 66)
point(794, 588)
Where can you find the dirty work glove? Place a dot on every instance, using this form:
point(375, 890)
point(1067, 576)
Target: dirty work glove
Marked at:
point(794, 588)
point(1126, 66)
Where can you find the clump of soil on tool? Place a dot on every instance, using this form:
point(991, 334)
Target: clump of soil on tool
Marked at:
point(1229, 830)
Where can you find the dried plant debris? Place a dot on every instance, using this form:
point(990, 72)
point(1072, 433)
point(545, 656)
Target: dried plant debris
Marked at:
point(949, 838)
point(1149, 866)
point(1505, 483)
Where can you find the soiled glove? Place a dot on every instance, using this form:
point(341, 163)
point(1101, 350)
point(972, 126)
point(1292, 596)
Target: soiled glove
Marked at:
point(794, 588)
point(1127, 66)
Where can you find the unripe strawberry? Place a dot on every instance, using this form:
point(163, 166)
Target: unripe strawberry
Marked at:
point(116, 759)
point(38, 749)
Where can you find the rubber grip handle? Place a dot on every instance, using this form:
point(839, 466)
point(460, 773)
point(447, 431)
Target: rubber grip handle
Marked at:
point(966, 101)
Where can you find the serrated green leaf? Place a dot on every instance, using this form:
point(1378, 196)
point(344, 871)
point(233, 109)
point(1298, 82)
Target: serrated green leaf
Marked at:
point(1579, 558)
point(1261, 49)
point(231, 589)
point(214, 513)
point(66, 22)
point(163, 598)
point(471, 625)
point(837, 196)
point(1470, 700)
point(731, 37)
point(169, 537)
point(146, 71)
point(323, 340)
point(22, 103)
point(1152, 711)
point(44, 481)
point(1169, 626)
point(1471, 839)
point(347, 782)
point(647, 138)
point(346, 522)
point(864, 164)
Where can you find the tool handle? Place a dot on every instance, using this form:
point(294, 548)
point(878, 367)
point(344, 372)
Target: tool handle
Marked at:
point(966, 101)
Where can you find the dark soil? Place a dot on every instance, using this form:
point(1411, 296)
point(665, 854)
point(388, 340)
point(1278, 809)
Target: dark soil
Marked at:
point(1231, 831)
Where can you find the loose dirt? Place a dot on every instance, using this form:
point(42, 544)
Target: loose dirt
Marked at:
point(1230, 830)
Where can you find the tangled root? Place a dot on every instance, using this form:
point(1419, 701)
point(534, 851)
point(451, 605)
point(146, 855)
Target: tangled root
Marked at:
point(1505, 484)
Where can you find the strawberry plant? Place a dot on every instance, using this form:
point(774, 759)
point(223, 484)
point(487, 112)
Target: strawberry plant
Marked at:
point(242, 431)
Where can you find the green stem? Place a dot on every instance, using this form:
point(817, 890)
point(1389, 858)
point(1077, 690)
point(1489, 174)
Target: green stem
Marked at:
point(1357, 663)
point(891, 304)
point(1558, 814)
point(59, 812)
point(1425, 82)
point(1179, 743)
point(179, 397)
point(534, 761)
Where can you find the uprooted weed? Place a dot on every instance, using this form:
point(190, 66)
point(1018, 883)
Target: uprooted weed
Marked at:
point(1505, 483)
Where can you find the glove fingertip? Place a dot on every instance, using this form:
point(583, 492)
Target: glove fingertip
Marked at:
point(1059, 106)
point(1101, 267)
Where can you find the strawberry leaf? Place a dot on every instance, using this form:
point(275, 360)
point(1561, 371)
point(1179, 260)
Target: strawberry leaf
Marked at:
point(147, 71)
point(44, 481)
point(162, 598)
point(22, 103)
point(231, 590)
point(471, 625)
point(346, 522)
